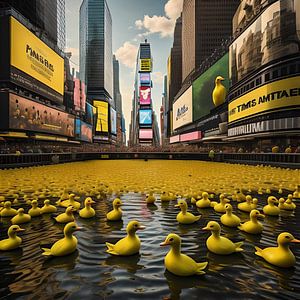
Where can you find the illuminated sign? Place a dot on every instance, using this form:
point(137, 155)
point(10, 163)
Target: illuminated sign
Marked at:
point(145, 95)
point(175, 139)
point(102, 115)
point(33, 57)
point(82, 96)
point(113, 120)
point(183, 109)
point(146, 134)
point(195, 135)
point(273, 96)
point(145, 78)
point(32, 116)
point(89, 113)
point(145, 65)
point(145, 116)
point(77, 103)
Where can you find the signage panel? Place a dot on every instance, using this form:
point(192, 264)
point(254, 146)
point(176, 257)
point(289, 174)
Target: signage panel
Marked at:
point(102, 115)
point(146, 134)
point(145, 79)
point(113, 121)
point(145, 95)
point(145, 65)
point(145, 116)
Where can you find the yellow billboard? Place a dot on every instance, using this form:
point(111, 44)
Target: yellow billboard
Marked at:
point(273, 96)
point(145, 65)
point(33, 57)
point(102, 115)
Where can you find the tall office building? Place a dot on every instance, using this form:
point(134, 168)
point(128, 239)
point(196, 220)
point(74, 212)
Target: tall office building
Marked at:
point(205, 25)
point(96, 58)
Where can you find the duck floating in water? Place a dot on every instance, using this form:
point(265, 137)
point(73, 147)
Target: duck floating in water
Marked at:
point(248, 205)
point(219, 92)
point(164, 197)
point(178, 263)
point(7, 211)
point(289, 204)
point(220, 207)
point(219, 244)
point(150, 198)
point(116, 213)
point(71, 201)
point(271, 209)
point(229, 219)
point(87, 211)
point(296, 194)
point(66, 245)
point(253, 226)
point(204, 202)
point(21, 217)
point(185, 217)
point(13, 241)
point(128, 245)
point(67, 216)
point(34, 211)
point(280, 256)
point(48, 208)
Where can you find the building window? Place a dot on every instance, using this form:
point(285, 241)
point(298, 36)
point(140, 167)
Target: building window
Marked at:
point(267, 77)
point(275, 74)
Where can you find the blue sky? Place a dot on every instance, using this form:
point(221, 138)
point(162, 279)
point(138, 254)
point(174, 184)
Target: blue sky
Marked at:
point(133, 21)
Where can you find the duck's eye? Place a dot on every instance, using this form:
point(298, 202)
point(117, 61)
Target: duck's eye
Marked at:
point(287, 237)
point(211, 226)
point(171, 239)
point(136, 225)
point(74, 227)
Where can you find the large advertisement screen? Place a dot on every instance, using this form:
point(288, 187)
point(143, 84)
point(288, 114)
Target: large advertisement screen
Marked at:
point(145, 65)
point(183, 109)
point(274, 96)
point(83, 96)
point(77, 103)
point(275, 34)
point(32, 116)
point(89, 113)
point(204, 85)
point(83, 131)
point(102, 115)
point(33, 57)
point(145, 95)
point(145, 79)
point(113, 121)
point(146, 134)
point(145, 116)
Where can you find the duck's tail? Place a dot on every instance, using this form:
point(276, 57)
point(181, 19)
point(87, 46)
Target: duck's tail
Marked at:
point(238, 247)
point(241, 227)
point(110, 249)
point(47, 251)
point(201, 267)
point(258, 251)
point(213, 203)
point(197, 218)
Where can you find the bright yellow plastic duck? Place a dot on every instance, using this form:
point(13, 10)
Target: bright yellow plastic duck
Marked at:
point(271, 209)
point(87, 211)
point(280, 256)
point(7, 211)
point(116, 213)
point(296, 194)
point(220, 207)
point(219, 244)
point(13, 240)
point(21, 217)
point(219, 92)
point(281, 203)
point(185, 217)
point(48, 208)
point(67, 216)
point(253, 226)
point(248, 205)
point(289, 204)
point(34, 211)
point(150, 198)
point(229, 219)
point(71, 201)
point(204, 202)
point(164, 197)
point(128, 245)
point(178, 263)
point(66, 245)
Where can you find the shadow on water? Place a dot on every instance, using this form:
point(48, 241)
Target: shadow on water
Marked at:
point(129, 263)
point(67, 262)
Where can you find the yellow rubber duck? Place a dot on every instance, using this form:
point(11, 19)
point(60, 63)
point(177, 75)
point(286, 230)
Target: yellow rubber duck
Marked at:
point(204, 202)
point(271, 209)
point(13, 240)
point(253, 226)
point(71, 201)
point(67, 216)
point(34, 211)
point(87, 211)
point(48, 208)
point(116, 213)
point(219, 244)
point(220, 207)
point(296, 194)
point(229, 219)
point(128, 245)
point(289, 204)
point(248, 205)
point(21, 217)
point(164, 197)
point(280, 256)
point(64, 246)
point(7, 211)
point(185, 217)
point(219, 92)
point(150, 198)
point(178, 263)
point(193, 200)
point(281, 203)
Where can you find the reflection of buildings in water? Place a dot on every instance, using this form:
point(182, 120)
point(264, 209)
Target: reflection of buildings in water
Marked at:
point(249, 55)
point(280, 36)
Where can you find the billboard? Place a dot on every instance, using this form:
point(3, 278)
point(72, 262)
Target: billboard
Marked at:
point(146, 134)
point(204, 85)
point(31, 56)
point(32, 116)
point(113, 121)
point(274, 96)
point(83, 131)
point(273, 35)
point(89, 113)
point(145, 116)
point(102, 115)
point(82, 96)
point(77, 102)
point(145, 65)
point(145, 95)
point(183, 109)
point(191, 136)
point(145, 79)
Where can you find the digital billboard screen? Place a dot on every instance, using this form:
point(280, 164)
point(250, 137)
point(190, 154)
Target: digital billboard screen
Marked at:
point(273, 35)
point(82, 96)
point(145, 116)
point(34, 65)
point(113, 121)
point(145, 79)
point(145, 65)
point(89, 113)
point(145, 95)
point(83, 131)
point(32, 116)
point(102, 115)
point(204, 85)
point(77, 103)
point(146, 134)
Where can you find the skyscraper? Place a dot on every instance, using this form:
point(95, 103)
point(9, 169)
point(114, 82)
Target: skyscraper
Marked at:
point(205, 25)
point(96, 58)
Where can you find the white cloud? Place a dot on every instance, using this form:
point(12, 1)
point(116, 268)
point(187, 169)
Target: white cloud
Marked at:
point(158, 77)
point(126, 54)
point(173, 9)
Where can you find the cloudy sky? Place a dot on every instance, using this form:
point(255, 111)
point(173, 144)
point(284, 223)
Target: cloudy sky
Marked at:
point(133, 21)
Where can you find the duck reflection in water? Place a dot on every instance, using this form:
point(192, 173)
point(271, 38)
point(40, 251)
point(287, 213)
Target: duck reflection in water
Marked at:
point(66, 262)
point(152, 207)
point(219, 262)
point(115, 225)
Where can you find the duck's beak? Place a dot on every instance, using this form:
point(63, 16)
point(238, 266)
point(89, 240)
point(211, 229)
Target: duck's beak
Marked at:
point(205, 228)
point(176, 205)
point(164, 244)
point(261, 216)
point(79, 228)
point(221, 78)
point(295, 241)
point(141, 227)
point(20, 229)
point(92, 201)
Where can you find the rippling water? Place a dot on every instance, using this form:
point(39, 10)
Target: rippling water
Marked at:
point(91, 273)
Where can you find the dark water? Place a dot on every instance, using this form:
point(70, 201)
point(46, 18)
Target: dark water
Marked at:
point(91, 273)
